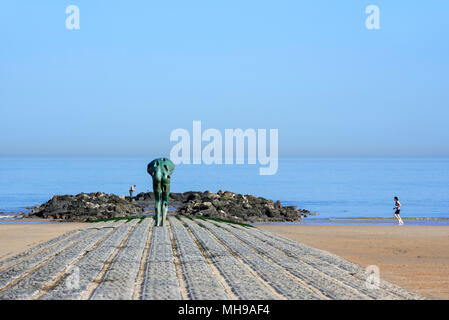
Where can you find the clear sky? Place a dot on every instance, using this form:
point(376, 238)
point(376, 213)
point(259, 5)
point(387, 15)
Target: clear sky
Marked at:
point(136, 70)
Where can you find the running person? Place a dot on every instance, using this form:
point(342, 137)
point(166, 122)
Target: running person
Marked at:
point(397, 207)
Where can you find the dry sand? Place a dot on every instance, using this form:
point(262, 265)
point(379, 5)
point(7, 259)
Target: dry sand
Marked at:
point(413, 257)
point(15, 238)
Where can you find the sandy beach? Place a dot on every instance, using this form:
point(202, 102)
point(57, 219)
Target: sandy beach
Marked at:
point(15, 238)
point(413, 257)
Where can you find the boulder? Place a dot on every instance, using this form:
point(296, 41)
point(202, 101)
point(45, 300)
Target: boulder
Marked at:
point(236, 207)
point(87, 207)
point(223, 205)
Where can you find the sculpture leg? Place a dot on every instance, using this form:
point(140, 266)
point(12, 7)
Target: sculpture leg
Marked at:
point(157, 200)
point(165, 194)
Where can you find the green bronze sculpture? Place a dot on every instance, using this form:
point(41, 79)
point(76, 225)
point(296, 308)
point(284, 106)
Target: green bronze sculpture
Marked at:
point(160, 170)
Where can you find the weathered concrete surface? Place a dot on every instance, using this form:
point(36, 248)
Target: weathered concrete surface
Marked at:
point(185, 259)
point(160, 279)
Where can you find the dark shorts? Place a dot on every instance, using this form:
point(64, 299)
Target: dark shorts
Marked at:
point(397, 211)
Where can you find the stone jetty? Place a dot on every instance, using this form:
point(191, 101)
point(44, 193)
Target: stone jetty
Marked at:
point(221, 205)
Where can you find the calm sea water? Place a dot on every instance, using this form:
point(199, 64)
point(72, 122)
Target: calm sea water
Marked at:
point(335, 188)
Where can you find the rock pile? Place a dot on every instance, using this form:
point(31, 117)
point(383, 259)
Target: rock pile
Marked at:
point(222, 205)
point(239, 208)
point(86, 207)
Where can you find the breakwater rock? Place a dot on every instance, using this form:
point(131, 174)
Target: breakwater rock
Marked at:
point(86, 207)
point(224, 205)
point(228, 206)
point(240, 208)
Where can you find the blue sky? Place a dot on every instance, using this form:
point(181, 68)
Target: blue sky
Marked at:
point(136, 70)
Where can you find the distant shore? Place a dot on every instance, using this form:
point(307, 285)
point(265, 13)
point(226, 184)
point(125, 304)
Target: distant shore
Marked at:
point(414, 257)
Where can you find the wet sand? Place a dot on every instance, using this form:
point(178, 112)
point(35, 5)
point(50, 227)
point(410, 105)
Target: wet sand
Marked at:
point(15, 238)
point(413, 257)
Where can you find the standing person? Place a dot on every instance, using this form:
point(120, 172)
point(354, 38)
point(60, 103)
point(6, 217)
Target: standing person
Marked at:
point(131, 190)
point(397, 207)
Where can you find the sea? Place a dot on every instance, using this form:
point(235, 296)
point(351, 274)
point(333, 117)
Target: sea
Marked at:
point(340, 190)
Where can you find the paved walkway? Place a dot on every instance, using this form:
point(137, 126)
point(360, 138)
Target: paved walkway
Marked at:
point(186, 259)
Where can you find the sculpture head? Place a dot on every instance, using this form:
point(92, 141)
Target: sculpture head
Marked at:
point(159, 166)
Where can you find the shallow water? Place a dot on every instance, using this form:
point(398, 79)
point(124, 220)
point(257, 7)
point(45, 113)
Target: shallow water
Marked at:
point(335, 188)
point(364, 222)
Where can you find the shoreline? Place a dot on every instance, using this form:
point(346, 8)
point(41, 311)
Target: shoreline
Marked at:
point(361, 221)
point(308, 221)
point(413, 257)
